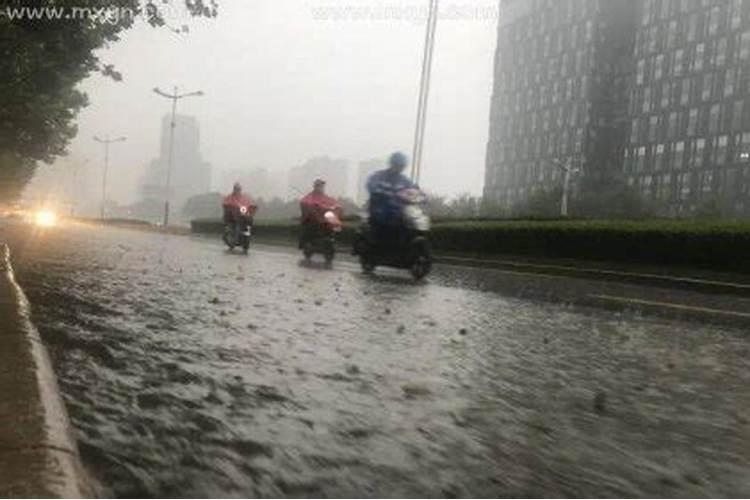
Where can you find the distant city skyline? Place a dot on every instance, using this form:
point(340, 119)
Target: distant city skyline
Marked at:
point(190, 176)
point(282, 86)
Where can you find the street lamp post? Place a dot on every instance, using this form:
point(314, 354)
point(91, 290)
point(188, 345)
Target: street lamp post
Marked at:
point(106, 141)
point(424, 90)
point(568, 170)
point(174, 97)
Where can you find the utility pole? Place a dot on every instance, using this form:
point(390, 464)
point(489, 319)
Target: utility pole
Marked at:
point(106, 141)
point(568, 170)
point(174, 97)
point(424, 90)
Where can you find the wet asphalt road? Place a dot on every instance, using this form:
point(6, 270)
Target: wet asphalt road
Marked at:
point(191, 372)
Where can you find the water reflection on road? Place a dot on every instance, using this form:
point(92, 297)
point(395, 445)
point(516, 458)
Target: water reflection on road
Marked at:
point(191, 372)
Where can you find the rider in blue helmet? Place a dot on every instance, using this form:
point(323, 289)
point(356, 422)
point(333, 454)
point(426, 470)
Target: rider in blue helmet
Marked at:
point(383, 186)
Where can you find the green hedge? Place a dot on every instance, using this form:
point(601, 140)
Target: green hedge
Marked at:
point(718, 245)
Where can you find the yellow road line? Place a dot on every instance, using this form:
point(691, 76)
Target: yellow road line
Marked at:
point(604, 272)
point(672, 305)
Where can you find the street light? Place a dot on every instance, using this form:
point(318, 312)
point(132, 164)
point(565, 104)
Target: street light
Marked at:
point(424, 90)
point(174, 97)
point(106, 141)
point(568, 170)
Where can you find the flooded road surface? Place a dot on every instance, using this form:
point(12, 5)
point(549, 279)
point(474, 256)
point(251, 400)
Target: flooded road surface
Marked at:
point(191, 372)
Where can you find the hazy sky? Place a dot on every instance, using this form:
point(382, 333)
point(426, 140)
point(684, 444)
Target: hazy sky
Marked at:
point(283, 85)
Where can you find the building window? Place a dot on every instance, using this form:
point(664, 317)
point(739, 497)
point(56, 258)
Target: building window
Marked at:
point(708, 80)
point(659, 67)
point(737, 115)
point(641, 160)
point(678, 61)
point(693, 122)
point(685, 97)
point(678, 156)
point(641, 72)
point(686, 180)
point(653, 127)
point(729, 82)
point(745, 45)
point(713, 20)
point(700, 54)
point(698, 154)
point(659, 157)
point(721, 52)
point(713, 119)
point(721, 146)
point(736, 14)
point(672, 127)
point(707, 183)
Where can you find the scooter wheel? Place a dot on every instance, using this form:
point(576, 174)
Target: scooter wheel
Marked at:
point(367, 266)
point(421, 267)
point(330, 253)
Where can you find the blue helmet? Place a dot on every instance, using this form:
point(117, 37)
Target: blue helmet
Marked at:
point(398, 160)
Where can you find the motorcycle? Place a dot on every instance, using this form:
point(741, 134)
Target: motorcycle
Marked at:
point(321, 238)
point(406, 247)
point(238, 232)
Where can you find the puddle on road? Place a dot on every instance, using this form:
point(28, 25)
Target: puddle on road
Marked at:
point(188, 372)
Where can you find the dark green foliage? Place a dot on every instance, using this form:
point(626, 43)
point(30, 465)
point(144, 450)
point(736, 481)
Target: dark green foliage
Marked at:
point(711, 245)
point(721, 246)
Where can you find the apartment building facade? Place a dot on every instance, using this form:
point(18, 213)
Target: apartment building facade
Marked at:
point(647, 92)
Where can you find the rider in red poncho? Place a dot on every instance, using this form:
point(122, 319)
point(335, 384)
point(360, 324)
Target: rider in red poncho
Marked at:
point(234, 201)
point(313, 207)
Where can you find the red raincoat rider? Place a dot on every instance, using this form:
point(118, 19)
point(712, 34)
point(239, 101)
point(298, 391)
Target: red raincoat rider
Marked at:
point(235, 201)
point(313, 207)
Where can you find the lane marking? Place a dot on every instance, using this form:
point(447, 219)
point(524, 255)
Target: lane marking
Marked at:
point(604, 272)
point(672, 305)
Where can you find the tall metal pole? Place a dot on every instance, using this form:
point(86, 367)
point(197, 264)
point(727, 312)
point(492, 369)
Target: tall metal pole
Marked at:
point(171, 154)
point(566, 187)
point(104, 177)
point(174, 97)
point(106, 141)
point(424, 89)
point(568, 171)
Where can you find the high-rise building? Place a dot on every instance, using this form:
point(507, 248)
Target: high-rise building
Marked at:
point(190, 174)
point(689, 108)
point(334, 171)
point(648, 92)
point(366, 169)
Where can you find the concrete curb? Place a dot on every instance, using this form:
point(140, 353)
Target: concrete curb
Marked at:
point(38, 455)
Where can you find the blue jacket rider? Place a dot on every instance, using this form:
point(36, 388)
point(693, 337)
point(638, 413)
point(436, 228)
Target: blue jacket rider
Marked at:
point(383, 186)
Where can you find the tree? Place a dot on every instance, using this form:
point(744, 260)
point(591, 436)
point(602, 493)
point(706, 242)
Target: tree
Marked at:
point(43, 57)
point(543, 203)
point(466, 206)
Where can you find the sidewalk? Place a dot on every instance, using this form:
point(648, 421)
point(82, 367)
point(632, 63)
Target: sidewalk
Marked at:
point(38, 454)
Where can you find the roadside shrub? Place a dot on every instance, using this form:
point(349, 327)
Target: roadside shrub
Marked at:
point(717, 245)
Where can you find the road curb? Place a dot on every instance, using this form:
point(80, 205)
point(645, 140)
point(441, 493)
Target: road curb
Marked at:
point(38, 454)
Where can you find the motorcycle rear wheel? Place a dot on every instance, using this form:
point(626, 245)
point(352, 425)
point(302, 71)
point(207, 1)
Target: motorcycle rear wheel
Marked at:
point(368, 266)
